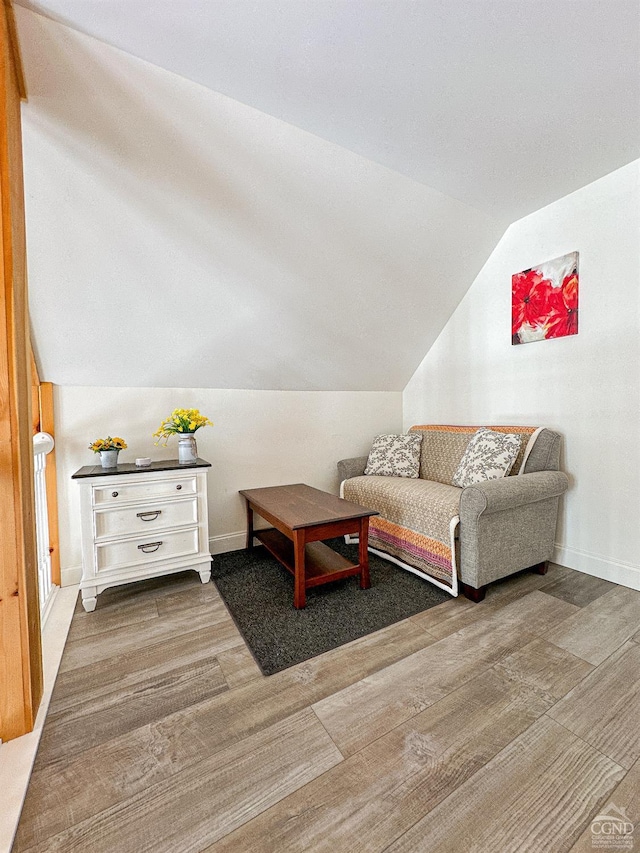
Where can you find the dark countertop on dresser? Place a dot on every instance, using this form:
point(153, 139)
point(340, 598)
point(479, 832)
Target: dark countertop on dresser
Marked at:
point(132, 468)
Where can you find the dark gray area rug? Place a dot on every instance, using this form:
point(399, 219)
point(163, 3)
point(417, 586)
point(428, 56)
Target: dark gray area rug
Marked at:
point(259, 594)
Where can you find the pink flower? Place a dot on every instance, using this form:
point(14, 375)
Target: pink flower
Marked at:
point(563, 309)
point(530, 299)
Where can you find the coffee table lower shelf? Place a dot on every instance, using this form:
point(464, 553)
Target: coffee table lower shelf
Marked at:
point(322, 564)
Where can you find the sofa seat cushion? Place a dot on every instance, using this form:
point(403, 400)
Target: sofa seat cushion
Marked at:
point(415, 521)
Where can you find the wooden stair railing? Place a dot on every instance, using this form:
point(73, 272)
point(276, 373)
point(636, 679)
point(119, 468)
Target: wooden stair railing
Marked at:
point(21, 678)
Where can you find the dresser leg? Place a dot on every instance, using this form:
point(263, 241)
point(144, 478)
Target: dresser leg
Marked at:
point(205, 575)
point(89, 598)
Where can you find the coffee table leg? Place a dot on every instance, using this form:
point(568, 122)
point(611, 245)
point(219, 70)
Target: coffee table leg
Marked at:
point(249, 526)
point(363, 554)
point(300, 591)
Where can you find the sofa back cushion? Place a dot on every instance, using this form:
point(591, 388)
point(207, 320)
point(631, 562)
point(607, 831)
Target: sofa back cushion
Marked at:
point(544, 455)
point(443, 448)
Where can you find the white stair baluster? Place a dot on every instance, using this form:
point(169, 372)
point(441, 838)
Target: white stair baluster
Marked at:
point(42, 444)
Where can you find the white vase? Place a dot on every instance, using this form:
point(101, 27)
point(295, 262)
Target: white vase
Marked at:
point(187, 448)
point(109, 458)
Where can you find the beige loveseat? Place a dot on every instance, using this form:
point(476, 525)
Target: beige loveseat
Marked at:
point(474, 535)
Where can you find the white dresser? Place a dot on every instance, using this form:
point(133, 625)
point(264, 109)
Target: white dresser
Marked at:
point(138, 523)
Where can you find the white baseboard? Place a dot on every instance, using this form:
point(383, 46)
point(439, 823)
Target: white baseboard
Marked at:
point(217, 545)
point(71, 576)
point(48, 606)
point(228, 542)
point(626, 574)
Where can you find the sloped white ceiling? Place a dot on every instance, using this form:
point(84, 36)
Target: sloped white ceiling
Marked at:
point(504, 105)
point(297, 194)
point(178, 238)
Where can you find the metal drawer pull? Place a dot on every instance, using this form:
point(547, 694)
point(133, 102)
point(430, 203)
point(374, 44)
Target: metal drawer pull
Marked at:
point(154, 513)
point(178, 487)
point(114, 494)
point(149, 547)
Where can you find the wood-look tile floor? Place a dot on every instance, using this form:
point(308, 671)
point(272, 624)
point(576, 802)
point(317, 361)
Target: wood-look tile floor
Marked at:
point(493, 727)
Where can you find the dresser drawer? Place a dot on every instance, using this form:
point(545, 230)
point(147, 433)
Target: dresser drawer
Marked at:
point(126, 521)
point(124, 492)
point(146, 549)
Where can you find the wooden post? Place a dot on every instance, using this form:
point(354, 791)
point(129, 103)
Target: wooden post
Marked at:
point(20, 646)
point(47, 425)
point(43, 421)
point(35, 396)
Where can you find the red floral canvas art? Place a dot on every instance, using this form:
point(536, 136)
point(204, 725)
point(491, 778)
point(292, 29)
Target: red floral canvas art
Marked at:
point(544, 301)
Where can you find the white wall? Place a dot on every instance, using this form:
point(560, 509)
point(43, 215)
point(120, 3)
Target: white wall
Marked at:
point(260, 438)
point(586, 386)
point(164, 218)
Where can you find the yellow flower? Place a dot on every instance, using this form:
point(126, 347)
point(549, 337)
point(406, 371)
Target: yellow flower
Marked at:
point(108, 443)
point(179, 422)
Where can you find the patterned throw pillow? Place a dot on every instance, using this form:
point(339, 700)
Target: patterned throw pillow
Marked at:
point(395, 456)
point(489, 456)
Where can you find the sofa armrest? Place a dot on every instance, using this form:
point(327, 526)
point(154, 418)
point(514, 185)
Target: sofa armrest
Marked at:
point(507, 525)
point(510, 492)
point(354, 467)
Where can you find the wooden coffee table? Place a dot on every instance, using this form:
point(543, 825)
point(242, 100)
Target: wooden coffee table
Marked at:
point(302, 516)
